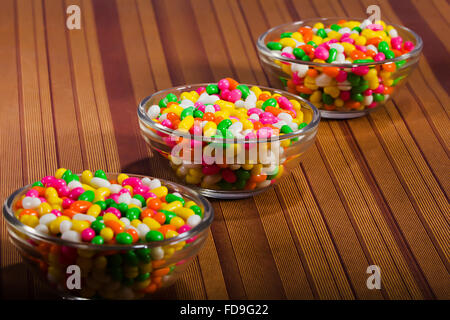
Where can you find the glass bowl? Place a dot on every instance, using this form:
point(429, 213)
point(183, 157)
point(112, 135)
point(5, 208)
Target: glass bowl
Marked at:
point(267, 159)
point(291, 74)
point(108, 271)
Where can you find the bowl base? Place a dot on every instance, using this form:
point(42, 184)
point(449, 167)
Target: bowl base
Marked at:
point(229, 195)
point(339, 115)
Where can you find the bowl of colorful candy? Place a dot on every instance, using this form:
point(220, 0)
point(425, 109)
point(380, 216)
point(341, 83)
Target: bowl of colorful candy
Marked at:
point(107, 236)
point(228, 140)
point(346, 68)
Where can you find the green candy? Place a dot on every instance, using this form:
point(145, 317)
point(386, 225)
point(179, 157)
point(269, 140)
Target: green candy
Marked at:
point(285, 35)
point(212, 89)
point(312, 43)
point(389, 54)
point(100, 174)
point(321, 33)
point(37, 184)
point(169, 215)
point(225, 185)
point(304, 95)
point(361, 88)
point(357, 29)
point(142, 253)
point(171, 97)
point(197, 210)
point(353, 79)
point(273, 174)
point(302, 125)
point(114, 205)
point(97, 226)
point(396, 81)
point(108, 202)
point(272, 45)
point(286, 129)
point(400, 63)
point(243, 174)
point(357, 97)
point(133, 213)
point(163, 103)
point(283, 81)
point(141, 199)
point(244, 90)
point(269, 103)
point(378, 97)
point(239, 184)
point(189, 111)
point(298, 53)
point(101, 204)
point(124, 238)
point(129, 257)
point(224, 124)
point(327, 99)
point(171, 198)
point(383, 46)
point(305, 58)
point(154, 235)
point(97, 240)
point(67, 176)
point(198, 114)
point(123, 207)
point(115, 260)
point(363, 60)
point(335, 27)
point(332, 55)
point(143, 277)
point(88, 195)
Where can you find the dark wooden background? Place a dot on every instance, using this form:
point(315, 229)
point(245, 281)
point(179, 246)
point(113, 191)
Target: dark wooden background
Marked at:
point(372, 190)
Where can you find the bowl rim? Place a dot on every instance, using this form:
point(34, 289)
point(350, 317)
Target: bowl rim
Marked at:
point(205, 223)
point(312, 125)
point(267, 52)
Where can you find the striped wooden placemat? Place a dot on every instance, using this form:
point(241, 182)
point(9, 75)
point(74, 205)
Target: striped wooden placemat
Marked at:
point(370, 191)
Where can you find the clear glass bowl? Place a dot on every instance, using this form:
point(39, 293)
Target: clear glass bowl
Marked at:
point(280, 69)
point(287, 147)
point(108, 271)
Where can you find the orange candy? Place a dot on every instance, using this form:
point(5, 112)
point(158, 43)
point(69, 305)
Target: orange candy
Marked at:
point(163, 229)
point(160, 217)
point(233, 83)
point(263, 97)
point(357, 54)
point(133, 233)
point(258, 178)
point(302, 89)
point(115, 226)
point(69, 213)
point(29, 212)
point(147, 213)
point(208, 116)
point(331, 71)
point(389, 67)
point(154, 203)
point(312, 73)
point(80, 206)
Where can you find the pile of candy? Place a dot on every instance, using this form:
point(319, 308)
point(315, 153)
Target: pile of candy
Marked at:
point(339, 88)
point(229, 110)
point(123, 211)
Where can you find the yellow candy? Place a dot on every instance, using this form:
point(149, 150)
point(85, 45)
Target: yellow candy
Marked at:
point(318, 25)
point(54, 200)
point(121, 177)
point(44, 208)
point(145, 267)
point(101, 193)
point(50, 192)
point(295, 104)
point(151, 223)
point(247, 166)
point(339, 102)
point(186, 123)
point(286, 68)
point(210, 129)
point(288, 42)
point(285, 143)
point(80, 225)
point(135, 222)
point(297, 36)
point(160, 191)
point(30, 220)
point(107, 234)
point(354, 36)
point(171, 234)
point(187, 95)
point(193, 180)
point(59, 173)
point(109, 216)
point(360, 41)
point(94, 210)
point(54, 225)
point(334, 35)
point(87, 187)
point(184, 212)
point(172, 206)
point(189, 204)
point(256, 90)
point(86, 176)
point(332, 91)
point(177, 222)
point(316, 96)
point(348, 47)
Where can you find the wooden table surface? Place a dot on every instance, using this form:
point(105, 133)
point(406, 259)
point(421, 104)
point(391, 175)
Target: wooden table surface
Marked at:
point(371, 191)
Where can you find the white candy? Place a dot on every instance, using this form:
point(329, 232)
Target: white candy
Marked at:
point(42, 228)
point(339, 47)
point(30, 202)
point(344, 30)
point(327, 30)
point(344, 86)
point(212, 179)
point(287, 50)
point(146, 181)
point(65, 225)
point(186, 103)
point(142, 230)
point(163, 117)
point(240, 103)
point(99, 183)
point(301, 69)
point(136, 202)
point(210, 109)
point(194, 220)
point(154, 184)
point(372, 47)
point(157, 253)
point(47, 218)
point(235, 166)
point(340, 58)
point(74, 184)
point(365, 23)
point(279, 124)
point(323, 80)
point(71, 235)
point(131, 227)
point(314, 30)
point(177, 194)
point(393, 33)
point(293, 126)
point(153, 111)
point(285, 117)
point(368, 100)
point(236, 127)
point(204, 123)
point(125, 220)
point(82, 216)
point(124, 198)
point(115, 188)
point(254, 116)
point(263, 184)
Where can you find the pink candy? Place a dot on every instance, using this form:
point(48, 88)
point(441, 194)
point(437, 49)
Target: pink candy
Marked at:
point(408, 45)
point(87, 234)
point(114, 211)
point(223, 84)
point(342, 76)
point(321, 53)
point(32, 193)
point(210, 169)
point(379, 56)
point(254, 110)
point(235, 95)
point(375, 27)
point(360, 70)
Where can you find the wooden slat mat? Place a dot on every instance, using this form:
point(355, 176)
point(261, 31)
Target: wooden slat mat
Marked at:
point(370, 191)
